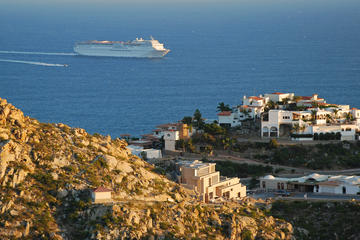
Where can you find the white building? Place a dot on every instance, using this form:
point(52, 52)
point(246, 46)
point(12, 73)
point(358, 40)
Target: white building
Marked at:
point(308, 101)
point(208, 183)
point(279, 123)
point(329, 184)
point(279, 97)
point(170, 137)
point(258, 101)
point(149, 153)
point(101, 194)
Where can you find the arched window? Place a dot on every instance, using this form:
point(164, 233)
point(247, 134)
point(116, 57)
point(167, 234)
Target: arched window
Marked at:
point(282, 186)
point(265, 132)
point(273, 132)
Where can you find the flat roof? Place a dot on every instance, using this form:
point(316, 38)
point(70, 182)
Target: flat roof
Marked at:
point(195, 164)
point(353, 180)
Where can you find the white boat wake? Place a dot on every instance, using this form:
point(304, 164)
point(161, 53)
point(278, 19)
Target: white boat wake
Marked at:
point(34, 63)
point(38, 53)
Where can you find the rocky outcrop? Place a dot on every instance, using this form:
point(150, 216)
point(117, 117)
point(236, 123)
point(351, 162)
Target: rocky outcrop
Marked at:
point(47, 170)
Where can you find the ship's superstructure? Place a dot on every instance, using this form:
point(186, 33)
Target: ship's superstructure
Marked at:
point(136, 48)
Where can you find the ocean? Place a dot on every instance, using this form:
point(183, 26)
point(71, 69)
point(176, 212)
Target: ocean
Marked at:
point(219, 52)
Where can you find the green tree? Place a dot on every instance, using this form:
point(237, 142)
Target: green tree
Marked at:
point(335, 111)
point(273, 144)
point(314, 104)
point(328, 118)
point(285, 101)
point(296, 128)
point(198, 121)
point(313, 115)
point(213, 129)
point(349, 117)
point(222, 107)
point(296, 99)
point(270, 105)
point(187, 120)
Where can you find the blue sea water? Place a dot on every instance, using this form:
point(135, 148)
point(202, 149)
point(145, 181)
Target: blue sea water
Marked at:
point(219, 52)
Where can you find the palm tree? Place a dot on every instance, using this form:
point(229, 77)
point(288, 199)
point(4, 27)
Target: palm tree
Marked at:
point(329, 118)
point(285, 101)
point(349, 117)
point(222, 107)
point(314, 104)
point(296, 128)
point(270, 105)
point(335, 111)
point(313, 115)
point(296, 98)
point(198, 121)
point(302, 128)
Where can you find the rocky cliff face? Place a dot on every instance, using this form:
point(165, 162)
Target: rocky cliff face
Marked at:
point(46, 171)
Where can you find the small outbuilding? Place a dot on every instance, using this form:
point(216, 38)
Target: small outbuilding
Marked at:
point(101, 194)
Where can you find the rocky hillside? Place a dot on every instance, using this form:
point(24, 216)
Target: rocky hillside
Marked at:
point(47, 171)
point(321, 220)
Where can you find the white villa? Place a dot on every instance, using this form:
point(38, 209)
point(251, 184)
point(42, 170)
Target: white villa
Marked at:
point(316, 183)
point(279, 123)
point(316, 118)
point(254, 106)
point(279, 97)
point(251, 108)
point(208, 183)
point(149, 153)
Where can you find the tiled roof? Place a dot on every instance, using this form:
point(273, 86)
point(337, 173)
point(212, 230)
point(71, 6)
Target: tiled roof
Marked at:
point(306, 98)
point(225, 113)
point(256, 98)
point(102, 189)
point(171, 130)
point(167, 125)
point(278, 93)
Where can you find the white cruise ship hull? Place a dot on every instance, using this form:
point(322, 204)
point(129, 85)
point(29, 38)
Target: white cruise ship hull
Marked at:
point(121, 53)
point(137, 49)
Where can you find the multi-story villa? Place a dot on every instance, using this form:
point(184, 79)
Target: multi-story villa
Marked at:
point(208, 183)
point(251, 108)
point(284, 113)
point(336, 119)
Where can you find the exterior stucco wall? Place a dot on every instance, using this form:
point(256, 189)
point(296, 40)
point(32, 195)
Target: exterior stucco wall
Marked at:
point(100, 196)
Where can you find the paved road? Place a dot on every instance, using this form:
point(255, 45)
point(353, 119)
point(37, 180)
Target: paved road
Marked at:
point(310, 196)
point(298, 171)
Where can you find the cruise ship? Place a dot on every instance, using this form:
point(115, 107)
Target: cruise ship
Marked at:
point(139, 48)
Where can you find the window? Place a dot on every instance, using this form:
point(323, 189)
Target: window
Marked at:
point(263, 184)
point(278, 185)
point(282, 186)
